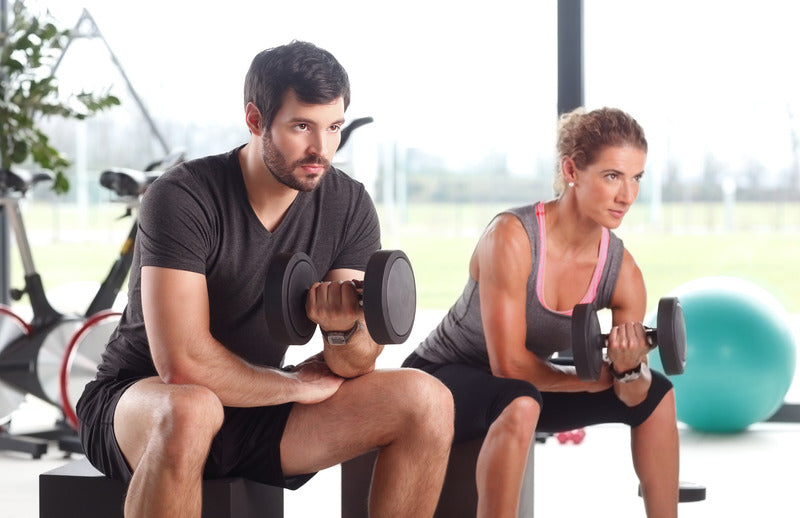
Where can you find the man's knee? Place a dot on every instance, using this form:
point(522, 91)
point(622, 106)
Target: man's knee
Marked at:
point(190, 412)
point(430, 402)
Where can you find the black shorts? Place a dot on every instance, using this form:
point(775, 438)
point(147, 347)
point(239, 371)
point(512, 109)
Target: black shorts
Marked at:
point(247, 445)
point(480, 397)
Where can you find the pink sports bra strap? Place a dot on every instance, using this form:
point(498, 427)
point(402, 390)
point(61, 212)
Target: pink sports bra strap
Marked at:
point(591, 292)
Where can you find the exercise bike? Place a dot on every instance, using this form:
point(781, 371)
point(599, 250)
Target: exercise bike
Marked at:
point(32, 354)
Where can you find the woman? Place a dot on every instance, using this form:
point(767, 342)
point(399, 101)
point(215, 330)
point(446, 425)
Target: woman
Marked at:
point(531, 266)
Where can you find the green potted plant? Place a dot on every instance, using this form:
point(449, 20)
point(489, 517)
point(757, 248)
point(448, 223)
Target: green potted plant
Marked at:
point(29, 92)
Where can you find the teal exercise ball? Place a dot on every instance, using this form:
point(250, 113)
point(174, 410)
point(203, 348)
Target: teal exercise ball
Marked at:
point(740, 355)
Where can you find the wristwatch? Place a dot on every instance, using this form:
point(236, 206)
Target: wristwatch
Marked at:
point(629, 375)
point(340, 337)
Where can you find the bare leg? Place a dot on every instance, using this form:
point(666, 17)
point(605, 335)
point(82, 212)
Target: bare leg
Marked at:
point(655, 449)
point(406, 413)
point(165, 432)
point(501, 461)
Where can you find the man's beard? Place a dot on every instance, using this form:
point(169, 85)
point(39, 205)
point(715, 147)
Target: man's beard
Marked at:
point(284, 172)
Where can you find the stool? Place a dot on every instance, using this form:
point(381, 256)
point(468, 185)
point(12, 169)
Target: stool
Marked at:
point(459, 498)
point(78, 490)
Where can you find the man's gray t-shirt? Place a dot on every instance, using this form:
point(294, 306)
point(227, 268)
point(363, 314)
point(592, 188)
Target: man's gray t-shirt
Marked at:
point(197, 218)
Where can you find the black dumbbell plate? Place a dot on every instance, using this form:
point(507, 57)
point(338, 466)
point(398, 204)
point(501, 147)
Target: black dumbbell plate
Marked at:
point(390, 297)
point(671, 333)
point(587, 342)
point(289, 277)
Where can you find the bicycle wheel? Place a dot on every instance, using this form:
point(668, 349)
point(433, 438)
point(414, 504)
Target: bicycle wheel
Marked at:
point(81, 359)
point(12, 327)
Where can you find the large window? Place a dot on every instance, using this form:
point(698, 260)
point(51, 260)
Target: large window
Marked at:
point(713, 85)
point(464, 100)
point(463, 95)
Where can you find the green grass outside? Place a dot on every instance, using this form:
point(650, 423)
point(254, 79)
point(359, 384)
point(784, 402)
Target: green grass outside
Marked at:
point(666, 262)
point(690, 242)
point(758, 242)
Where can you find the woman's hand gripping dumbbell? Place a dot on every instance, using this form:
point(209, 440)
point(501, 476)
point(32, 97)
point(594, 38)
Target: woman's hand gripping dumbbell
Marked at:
point(669, 336)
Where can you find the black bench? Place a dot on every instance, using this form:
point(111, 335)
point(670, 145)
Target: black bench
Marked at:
point(78, 490)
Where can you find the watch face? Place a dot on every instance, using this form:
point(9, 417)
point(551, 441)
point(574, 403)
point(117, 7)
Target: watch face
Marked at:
point(336, 339)
point(633, 376)
point(340, 337)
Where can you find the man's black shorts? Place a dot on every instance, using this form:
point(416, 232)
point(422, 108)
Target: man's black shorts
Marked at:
point(247, 445)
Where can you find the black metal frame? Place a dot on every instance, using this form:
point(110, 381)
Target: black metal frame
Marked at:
point(570, 55)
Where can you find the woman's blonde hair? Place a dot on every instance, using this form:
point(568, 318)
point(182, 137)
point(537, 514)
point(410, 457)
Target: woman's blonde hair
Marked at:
point(582, 134)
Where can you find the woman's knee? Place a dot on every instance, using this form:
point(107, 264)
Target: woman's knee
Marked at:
point(663, 415)
point(519, 418)
point(666, 407)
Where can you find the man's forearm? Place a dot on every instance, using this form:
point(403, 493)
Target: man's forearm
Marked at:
point(235, 381)
point(356, 358)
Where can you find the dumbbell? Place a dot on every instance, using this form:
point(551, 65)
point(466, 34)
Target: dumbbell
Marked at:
point(389, 297)
point(669, 336)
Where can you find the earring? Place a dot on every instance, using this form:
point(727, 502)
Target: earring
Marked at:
point(571, 184)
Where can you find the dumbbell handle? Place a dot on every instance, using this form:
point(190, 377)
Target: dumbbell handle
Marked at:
point(649, 333)
point(359, 291)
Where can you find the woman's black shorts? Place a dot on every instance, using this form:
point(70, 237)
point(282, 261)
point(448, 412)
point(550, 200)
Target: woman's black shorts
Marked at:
point(480, 397)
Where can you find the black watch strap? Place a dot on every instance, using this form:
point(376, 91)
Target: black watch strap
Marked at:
point(340, 337)
point(628, 375)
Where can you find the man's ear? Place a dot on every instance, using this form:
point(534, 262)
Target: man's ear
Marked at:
point(253, 119)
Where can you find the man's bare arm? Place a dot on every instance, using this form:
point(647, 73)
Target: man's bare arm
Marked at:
point(176, 314)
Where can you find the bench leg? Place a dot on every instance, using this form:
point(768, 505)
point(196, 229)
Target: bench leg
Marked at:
point(459, 497)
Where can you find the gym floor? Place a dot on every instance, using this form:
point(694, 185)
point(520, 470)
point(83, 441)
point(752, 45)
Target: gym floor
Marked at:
point(753, 473)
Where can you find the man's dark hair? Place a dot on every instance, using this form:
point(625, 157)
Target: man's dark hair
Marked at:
point(313, 73)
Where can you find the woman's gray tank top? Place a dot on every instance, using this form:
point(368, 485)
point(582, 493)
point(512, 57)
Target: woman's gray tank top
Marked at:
point(459, 338)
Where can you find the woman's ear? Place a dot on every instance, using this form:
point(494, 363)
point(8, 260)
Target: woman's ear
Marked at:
point(568, 170)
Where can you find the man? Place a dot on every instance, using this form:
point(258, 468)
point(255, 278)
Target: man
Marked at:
point(190, 385)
